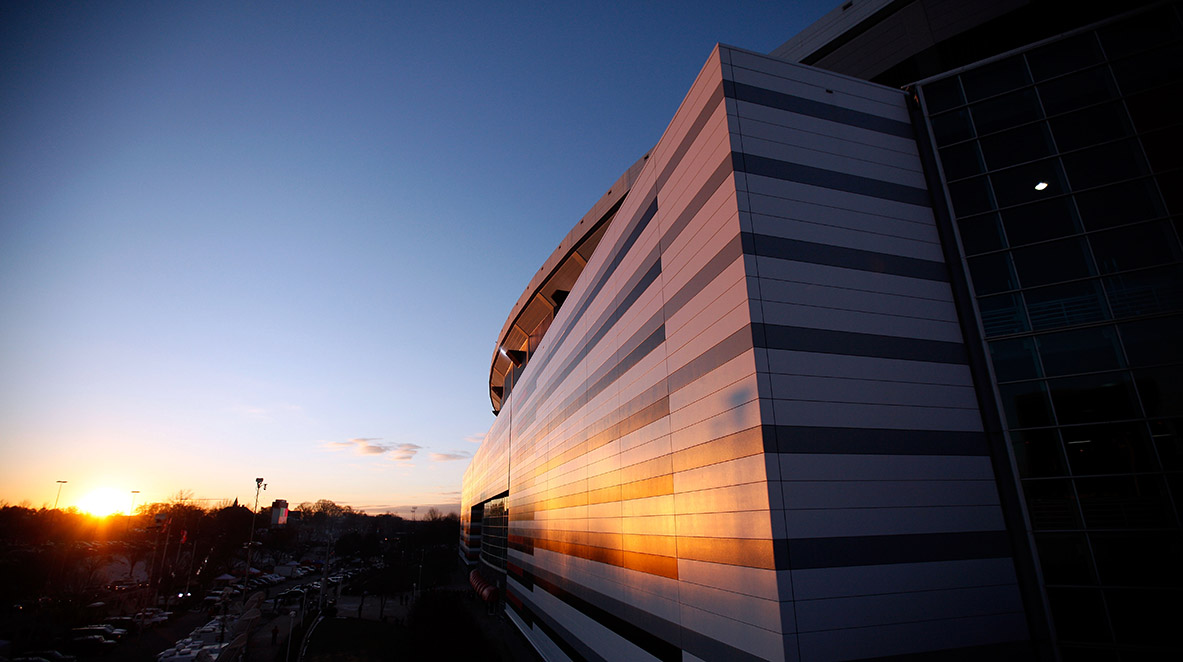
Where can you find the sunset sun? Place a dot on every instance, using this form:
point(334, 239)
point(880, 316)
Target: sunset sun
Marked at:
point(102, 502)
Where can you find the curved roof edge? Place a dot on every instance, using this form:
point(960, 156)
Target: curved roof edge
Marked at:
point(560, 259)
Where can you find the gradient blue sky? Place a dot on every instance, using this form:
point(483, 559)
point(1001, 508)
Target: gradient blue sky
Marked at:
point(279, 239)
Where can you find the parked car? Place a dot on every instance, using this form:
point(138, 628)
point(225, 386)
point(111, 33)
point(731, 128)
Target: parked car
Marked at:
point(152, 616)
point(108, 631)
point(92, 644)
point(122, 622)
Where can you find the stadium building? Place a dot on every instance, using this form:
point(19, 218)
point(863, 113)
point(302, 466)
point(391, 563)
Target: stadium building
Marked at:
point(876, 353)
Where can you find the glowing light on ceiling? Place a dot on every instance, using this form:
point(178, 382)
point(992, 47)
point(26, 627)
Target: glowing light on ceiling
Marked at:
point(1040, 186)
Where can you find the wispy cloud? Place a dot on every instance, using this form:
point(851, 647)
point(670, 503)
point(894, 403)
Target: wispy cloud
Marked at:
point(475, 438)
point(448, 457)
point(404, 452)
point(368, 446)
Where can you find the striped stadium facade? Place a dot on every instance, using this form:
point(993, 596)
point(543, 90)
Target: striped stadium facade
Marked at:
point(736, 418)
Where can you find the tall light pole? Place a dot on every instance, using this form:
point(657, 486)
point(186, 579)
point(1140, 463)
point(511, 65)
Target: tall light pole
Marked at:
point(291, 625)
point(247, 574)
point(59, 496)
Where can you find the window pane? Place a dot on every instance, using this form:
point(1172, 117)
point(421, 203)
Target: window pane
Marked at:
point(980, 234)
point(1006, 111)
point(992, 273)
point(1080, 350)
point(1108, 449)
point(1029, 183)
point(1168, 441)
point(1038, 453)
point(1132, 558)
point(1155, 108)
point(1161, 390)
point(943, 94)
point(1065, 305)
point(1103, 164)
point(1164, 148)
point(1044, 264)
point(1096, 124)
point(1078, 614)
point(1002, 314)
point(1139, 32)
point(1064, 558)
point(1153, 341)
point(962, 160)
point(1076, 90)
point(1051, 504)
point(1124, 502)
point(1146, 292)
point(995, 78)
point(1014, 359)
point(1040, 221)
point(1145, 616)
point(1135, 246)
point(1093, 398)
point(1170, 184)
point(952, 127)
point(1026, 143)
point(1150, 69)
point(971, 196)
point(1064, 56)
point(1026, 405)
point(1121, 204)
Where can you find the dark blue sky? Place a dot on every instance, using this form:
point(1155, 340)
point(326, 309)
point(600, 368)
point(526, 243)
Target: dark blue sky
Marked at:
point(279, 239)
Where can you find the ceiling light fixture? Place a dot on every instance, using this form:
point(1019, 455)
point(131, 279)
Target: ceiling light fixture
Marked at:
point(1040, 186)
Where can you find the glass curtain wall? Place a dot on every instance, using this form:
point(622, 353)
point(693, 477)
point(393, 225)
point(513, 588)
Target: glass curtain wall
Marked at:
point(1062, 169)
point(494, 532)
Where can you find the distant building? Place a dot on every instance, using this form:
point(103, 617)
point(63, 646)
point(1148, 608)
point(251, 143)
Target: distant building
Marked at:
point(876, 353)
point(279, 512)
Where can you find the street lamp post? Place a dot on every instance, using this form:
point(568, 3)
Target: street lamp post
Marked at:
point(291, 626)
point(247, 574)
point(59, 496)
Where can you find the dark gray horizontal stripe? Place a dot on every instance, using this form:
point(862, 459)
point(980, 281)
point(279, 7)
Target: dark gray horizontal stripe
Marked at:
point(572, 646)
point(806, 553)
point(710, 359)
point(730, 347)
point(656, 635)
point(720, 175)
point(726, 256)
point(810, 252)
point(705, 648)
point(819, 109)
point(651, 633)
point(638, 347)
point(643, 410)
point(1011, 651)
point(639, 283)
point(580, 396)
point(709, 108)
point(831, 179)
point(887, 11)
point(618, 252)
point(873, 441)
point(824, 341)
